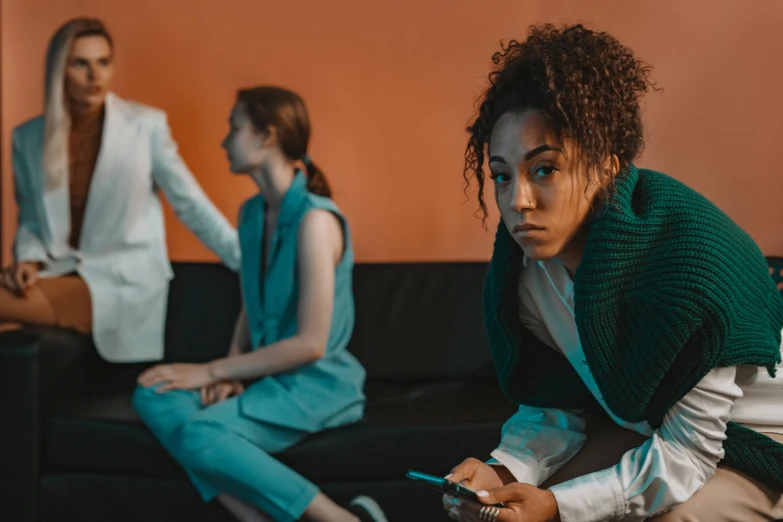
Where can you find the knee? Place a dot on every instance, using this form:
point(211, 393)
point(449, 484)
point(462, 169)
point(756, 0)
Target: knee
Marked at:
point(197, 439)
point(149, 404)
point(143, 398)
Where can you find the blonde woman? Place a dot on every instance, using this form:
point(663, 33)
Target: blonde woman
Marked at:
point(90, 250)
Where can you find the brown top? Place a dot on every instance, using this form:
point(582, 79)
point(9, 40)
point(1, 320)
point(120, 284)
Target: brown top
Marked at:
point(83, 146)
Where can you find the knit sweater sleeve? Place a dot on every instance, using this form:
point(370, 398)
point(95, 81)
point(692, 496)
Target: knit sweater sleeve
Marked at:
point(668, 468)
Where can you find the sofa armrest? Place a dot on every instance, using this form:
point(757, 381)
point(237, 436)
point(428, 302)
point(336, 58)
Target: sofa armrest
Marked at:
point(67, 366)
point(20, 417)
point(40, 369)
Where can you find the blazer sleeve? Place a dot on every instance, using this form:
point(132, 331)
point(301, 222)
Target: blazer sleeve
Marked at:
point(28, 240)
point(190, 203)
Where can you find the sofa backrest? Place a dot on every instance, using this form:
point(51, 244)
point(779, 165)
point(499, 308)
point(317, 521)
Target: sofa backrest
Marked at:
point(204, 301)
point(419, 321)
point(413, 320)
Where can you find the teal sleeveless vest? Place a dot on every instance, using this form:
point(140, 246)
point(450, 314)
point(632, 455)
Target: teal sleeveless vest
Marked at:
point(324, 394)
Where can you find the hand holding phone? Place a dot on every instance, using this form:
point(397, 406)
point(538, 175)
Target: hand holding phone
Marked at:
point(446, 486)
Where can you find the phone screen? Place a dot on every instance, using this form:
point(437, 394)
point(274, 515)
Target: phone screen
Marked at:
point(445, 486)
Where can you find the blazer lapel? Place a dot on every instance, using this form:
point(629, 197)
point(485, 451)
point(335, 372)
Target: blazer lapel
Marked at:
point(99, 200)
point(57, 212)
point(251, 237)
point(290, 208)
point(286, 230)
point(57, 202)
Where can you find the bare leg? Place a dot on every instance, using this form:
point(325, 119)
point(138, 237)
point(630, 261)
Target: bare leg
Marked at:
point(243, 512)
point(59, 301)
point(323, 509)
point(7, 327)
point(31, 309)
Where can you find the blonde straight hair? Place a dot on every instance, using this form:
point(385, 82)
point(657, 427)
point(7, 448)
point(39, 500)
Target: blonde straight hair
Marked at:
point(57, 118)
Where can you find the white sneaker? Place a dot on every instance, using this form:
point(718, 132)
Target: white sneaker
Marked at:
point(367, 509)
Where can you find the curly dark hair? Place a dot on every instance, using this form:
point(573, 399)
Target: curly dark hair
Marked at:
point(586, 83)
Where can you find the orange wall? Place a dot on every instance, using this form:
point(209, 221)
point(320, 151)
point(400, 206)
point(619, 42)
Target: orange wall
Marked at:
point(390, 86)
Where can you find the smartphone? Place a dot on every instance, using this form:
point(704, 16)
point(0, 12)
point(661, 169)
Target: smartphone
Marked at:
point(445, 486)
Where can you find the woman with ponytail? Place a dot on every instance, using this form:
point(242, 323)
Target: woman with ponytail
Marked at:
point(288, 372)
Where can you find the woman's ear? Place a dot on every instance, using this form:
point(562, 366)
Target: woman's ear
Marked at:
point(270, 135)
point(611, 168)
point(612, 165)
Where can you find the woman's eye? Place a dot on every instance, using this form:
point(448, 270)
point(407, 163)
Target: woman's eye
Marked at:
point(544, 171)
point(500, 177)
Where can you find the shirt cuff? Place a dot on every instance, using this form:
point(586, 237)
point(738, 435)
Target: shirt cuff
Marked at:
point(591, 498)
point(33, 259)
point(30, 255)
point(526, 472)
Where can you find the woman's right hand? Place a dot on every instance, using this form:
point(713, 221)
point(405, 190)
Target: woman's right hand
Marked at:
point(476, 475)
point(220, 391)
point(20, 277)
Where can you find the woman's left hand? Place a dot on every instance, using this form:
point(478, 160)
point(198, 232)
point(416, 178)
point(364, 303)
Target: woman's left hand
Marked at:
point(523, 503)
point(181, 376)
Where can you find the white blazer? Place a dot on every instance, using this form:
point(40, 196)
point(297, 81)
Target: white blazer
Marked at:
point(122, 253)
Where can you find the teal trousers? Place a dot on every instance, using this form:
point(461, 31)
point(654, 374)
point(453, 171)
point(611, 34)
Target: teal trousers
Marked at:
point(223, 451)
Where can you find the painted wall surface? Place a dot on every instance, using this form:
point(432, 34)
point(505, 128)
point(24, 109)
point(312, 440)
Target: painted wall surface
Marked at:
point(390, 87)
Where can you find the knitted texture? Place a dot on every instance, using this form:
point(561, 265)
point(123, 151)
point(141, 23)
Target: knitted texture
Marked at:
point(668, 289)
point(755, 454)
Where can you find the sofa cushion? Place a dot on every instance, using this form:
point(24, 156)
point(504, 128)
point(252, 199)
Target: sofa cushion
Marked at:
point(406, 426)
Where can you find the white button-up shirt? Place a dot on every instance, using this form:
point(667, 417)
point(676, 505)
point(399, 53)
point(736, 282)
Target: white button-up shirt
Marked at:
point(665, 471)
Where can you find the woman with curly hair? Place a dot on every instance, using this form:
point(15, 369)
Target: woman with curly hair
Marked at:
point(619, 305)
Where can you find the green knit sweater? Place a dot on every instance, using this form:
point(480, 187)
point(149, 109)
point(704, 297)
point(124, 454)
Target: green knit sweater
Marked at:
point(668, 289)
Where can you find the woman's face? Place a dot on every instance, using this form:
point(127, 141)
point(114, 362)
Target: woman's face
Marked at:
point(541, 189)
point(89, 71)
point(245, 146)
